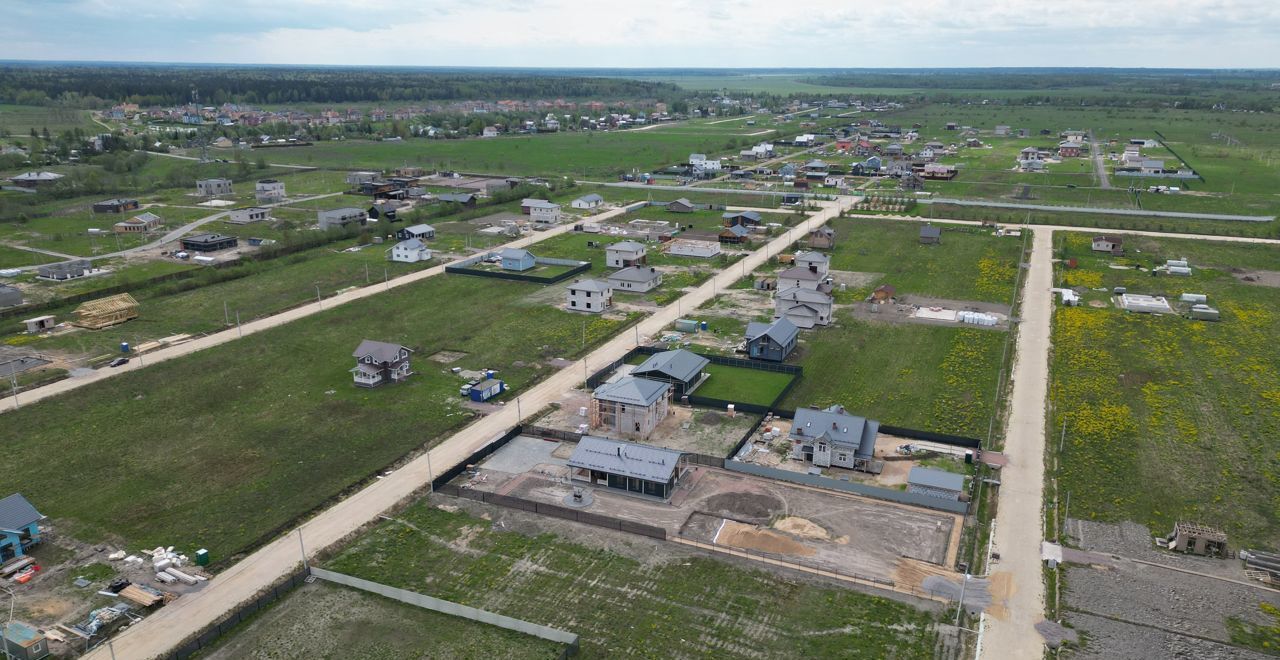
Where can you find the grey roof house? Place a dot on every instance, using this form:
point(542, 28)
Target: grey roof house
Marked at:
point(10, 296)
point(831, 437)
point(771, 341)
point(930, 235)
point(626, 466)
point(636, 279)
point(681, 368)
point(630, 407)
point(379, 362)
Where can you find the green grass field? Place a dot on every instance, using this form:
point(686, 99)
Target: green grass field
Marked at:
point(621, 607)
point(969, 263)
point(745, 385)
point(219, 448)
point(18, 120)
point(1188, 409)
point(304, 625)
point(13, 257)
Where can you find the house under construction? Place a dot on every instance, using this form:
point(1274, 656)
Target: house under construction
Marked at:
point(106, 312)
point(1197, 539)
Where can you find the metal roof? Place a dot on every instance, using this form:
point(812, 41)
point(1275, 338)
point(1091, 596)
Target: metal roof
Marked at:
point(682, 200)
point(738, 230)
point(628, 459)
point(678, 364)
point(801, 294)
point(930, 231)
point(411, 244)
point(629, 389)
point(923, 476)
point(593, 197)
point(455, 197)
point(16, 513)
point(627, 246)
point(837, 427)
point(420, 229)
point(636, 274)
point(379, 350)
point(750, 215)
point(590, 285)
point(781, 331)
point(514, 253)
point(800, 273)
point(810, 255)
point(539, 204)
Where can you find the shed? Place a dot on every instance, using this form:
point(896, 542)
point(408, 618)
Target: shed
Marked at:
point(517, 259)
point(930, 235)
point(10, 296)
point(40, 323)
point(626, 466)
point(1197, 539)
point(682, 205)
point(935, 483)
point(487, 389)
point(106, 312)
point(24, 642)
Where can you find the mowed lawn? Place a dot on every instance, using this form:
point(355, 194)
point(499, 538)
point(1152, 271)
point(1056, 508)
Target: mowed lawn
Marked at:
point(1167, 418)
point(220, 448)
point(969, 263)
point(621, 607)
point(741, 384)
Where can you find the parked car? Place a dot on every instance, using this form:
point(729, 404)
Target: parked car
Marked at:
point(120, 361)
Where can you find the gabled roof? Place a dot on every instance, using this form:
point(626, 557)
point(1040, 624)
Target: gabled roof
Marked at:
point(590, 199)
point(801, 294)
point(800, 273)
point(930, 231)
point(632, 390)
point(625, 458)
point(738, 230)
point(636, 274)
point(683, 200)
point(515, 253)
point(590, 285)
point(1115, 240)
point(627, 246)
point(781, 331)
point(379, 350)
point(923, 476)
point(412, 244)
point(37, 176)
point(679, 364)
point(420, 229)
point(460, 198)
point(810, 255)
point(837, 427)
point(16, 513)
point(539, 204)
point(749, 215)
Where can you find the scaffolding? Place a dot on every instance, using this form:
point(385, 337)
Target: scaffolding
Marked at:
point(106, 312)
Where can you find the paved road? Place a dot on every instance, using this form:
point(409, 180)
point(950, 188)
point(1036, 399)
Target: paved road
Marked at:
point(1011, 632)
point(165, 629)
point(1094, 209)
point(170, 236)
point(8, 403)
point(1104, 180)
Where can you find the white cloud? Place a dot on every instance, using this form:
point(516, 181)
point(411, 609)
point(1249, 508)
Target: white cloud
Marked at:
point(681, 33)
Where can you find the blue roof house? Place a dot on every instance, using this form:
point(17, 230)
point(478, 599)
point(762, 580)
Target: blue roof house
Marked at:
point(19, 528)
point(516, 259)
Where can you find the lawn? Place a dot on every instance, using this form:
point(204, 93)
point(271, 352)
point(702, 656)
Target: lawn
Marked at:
point(741, 384)
point(917, 376)
point(1188, 409)
point(304, 625)
point(621, 607)
point(221, 448)
point(18, 120)
point(13, 257)
point(969, 263)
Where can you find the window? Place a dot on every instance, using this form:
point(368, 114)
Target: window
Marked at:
point(842, 456)
point(573, 303)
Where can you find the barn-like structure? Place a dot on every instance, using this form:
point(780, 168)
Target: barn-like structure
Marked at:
point(106, 312)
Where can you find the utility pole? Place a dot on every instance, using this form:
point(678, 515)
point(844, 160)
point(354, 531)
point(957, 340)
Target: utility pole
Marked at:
point(303, 548)
point(226, 315)
point(13, 376)
point(319, 303)
point(366, 274)
point(239, 331)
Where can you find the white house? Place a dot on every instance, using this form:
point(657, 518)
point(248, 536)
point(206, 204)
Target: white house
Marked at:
point(626, 253)
point(544, 212)
point(269, 191)
point(636, 279)
point(249, 215)
point(804, 277)
point(806, 308)
point(489, 132)
point(819, 261)
point(587, 202)
point(592, 296)
point(213, 187)
point(692, 248)
point(410, 251)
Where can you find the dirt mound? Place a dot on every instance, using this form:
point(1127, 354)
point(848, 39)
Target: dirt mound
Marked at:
point(749, 507)
point(802, 527)
point(749, 537)
point(710, 418)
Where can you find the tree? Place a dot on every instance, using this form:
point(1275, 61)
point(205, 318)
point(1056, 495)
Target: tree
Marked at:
point(261, 163)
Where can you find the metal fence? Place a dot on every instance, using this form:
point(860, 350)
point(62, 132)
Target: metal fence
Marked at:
point(726, 361)
point(555, 511)
point(502, 275)
point(442, 480)
point(552, 434)
point(210, 635)
point(902, 497)
point(570, 640)
point(930, 436)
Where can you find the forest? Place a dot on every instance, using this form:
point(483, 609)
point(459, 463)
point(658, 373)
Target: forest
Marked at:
point(100, 85)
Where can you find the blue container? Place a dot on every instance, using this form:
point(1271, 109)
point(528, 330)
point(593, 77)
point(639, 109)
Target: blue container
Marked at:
point(704, 326)
point(124, 347)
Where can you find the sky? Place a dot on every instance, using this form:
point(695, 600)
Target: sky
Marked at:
point(652, 33)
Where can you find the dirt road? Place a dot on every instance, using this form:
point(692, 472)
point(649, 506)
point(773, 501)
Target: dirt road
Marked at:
point(169, 626)
point(8, 402)
point(1100, 168)
point(1011, 629)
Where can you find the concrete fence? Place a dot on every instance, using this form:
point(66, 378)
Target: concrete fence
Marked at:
point(570, 640)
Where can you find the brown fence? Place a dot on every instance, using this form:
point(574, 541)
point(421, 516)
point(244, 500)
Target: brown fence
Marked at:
point(555, 511)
